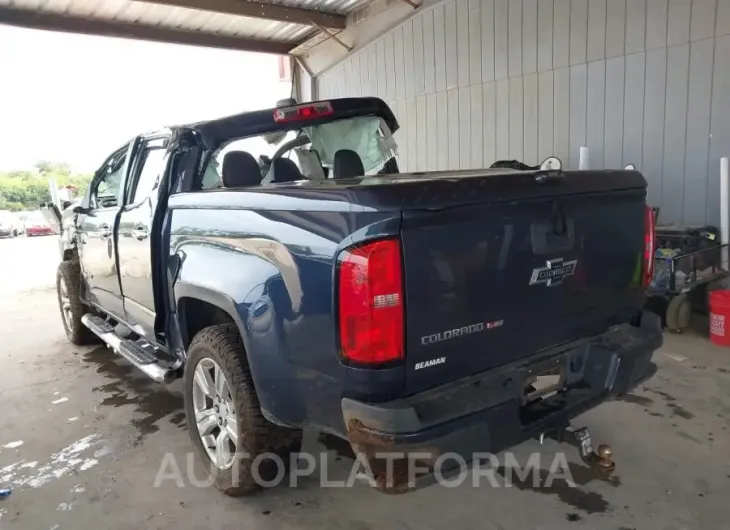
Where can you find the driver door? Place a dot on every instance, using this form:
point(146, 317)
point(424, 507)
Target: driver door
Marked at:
point(95, 234)
point(134, 239)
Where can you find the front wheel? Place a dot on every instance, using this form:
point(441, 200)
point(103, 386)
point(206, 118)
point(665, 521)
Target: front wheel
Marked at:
point(72, 309)
point(224, 417)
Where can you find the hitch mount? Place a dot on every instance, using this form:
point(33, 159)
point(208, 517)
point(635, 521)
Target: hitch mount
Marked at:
point(600, 459)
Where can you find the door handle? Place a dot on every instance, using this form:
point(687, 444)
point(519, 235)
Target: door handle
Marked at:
point(105, 231)
point(140, 232)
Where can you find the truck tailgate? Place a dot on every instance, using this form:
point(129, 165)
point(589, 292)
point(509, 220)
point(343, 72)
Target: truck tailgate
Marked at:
point(493, 282)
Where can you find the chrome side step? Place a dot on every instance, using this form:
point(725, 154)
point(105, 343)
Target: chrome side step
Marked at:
point(130, 350)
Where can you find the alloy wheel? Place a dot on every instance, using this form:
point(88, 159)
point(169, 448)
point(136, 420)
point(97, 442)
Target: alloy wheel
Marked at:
point(66, 306)
point(215, 414)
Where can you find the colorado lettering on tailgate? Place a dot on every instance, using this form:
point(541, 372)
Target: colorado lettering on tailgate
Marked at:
point(460, 332)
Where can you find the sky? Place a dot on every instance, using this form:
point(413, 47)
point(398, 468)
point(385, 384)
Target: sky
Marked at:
point(76, 98)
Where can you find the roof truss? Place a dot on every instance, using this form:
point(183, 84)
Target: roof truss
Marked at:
point(55, 22)
point(249, 8)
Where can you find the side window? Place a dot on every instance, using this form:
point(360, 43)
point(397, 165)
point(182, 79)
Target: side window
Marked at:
point(108, 191)
point(149, 172)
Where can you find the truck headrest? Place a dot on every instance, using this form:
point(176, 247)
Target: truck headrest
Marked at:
point(347, 164)
point(240, 169)
point(283, 170)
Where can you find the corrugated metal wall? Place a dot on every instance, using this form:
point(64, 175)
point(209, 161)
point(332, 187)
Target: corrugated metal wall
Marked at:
point(639, 81)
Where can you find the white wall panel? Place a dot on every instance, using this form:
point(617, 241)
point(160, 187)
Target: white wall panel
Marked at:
point(637, 81)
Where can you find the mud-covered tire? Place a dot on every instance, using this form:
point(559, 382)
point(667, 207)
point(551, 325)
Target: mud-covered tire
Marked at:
point(679, 313)
point(69, 273)
point(256, 435)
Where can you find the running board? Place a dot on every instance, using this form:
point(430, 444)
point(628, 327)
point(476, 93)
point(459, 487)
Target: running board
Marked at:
point(129, 349)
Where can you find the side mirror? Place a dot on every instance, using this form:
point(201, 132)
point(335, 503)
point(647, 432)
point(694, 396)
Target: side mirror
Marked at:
point(79, 209)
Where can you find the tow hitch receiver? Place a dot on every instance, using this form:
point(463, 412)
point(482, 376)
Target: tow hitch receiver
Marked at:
point(581, 438)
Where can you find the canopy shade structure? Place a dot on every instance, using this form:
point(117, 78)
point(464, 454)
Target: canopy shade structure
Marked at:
point(257, 26)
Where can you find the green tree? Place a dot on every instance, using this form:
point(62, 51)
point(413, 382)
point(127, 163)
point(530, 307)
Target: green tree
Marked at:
point(25, 190)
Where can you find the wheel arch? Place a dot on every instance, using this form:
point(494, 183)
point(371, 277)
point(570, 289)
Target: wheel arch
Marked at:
point(199, 307)
point(208, 307)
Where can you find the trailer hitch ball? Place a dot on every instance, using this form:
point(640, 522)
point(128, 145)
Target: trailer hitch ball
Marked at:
point(600, 459)
point(605, 463)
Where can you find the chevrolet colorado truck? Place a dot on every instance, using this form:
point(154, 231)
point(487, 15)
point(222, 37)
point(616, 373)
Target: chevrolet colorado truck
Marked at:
point(279, 263)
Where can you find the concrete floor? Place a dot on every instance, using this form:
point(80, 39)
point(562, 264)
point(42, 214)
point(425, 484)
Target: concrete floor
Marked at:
point(94, 433)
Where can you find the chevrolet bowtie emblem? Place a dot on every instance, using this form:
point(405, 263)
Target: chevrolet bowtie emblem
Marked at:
point(554, 272)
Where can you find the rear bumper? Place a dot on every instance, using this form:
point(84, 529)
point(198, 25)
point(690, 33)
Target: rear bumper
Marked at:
point(485, 412)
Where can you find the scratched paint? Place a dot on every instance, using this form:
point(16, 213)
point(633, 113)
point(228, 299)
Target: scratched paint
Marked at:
point(13, 445)
point(59, 400)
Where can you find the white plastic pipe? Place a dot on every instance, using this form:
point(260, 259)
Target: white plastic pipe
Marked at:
point(583, 162)
point(724, 219)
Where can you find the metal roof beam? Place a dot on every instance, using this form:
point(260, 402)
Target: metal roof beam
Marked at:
point(248, 8)
point(109, 28)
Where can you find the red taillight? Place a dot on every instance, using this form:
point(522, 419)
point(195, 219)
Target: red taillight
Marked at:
point(371, 303)
point(649, 245)
point(303, 112)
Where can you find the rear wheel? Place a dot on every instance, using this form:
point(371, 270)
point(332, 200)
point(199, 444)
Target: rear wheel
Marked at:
point(224, 417)
point(68, 279)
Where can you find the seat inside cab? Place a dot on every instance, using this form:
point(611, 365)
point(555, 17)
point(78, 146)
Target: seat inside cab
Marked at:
point(341, 149)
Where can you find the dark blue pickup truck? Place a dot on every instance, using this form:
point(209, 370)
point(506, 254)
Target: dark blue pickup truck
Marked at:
point(281, 265)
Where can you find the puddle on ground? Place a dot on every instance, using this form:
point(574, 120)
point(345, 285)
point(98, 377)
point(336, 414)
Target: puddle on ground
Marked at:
point(667, 397)
point(342, 448)
point(689, 437)
point(179, 420)
point(583, 475)
point(680, 411)
point(677, 410)
point(589, 502)
point(129, 386)
point(636, 400)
